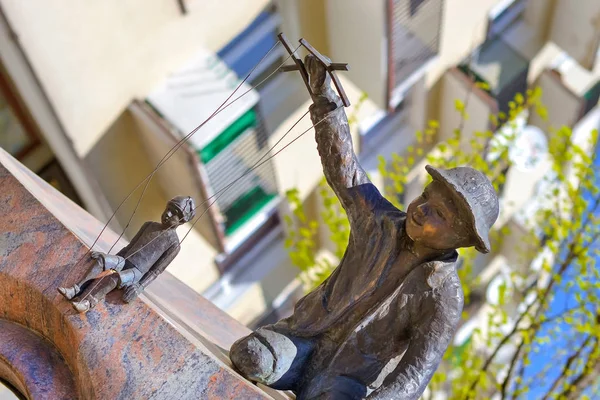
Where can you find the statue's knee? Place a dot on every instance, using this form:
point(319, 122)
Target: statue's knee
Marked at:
point(264, 356)
point(252, 358)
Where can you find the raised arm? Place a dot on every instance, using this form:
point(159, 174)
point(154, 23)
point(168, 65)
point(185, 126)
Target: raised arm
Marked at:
point(429, 340)
point(161, 264)
point(334, 142)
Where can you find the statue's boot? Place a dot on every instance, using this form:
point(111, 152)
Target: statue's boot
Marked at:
point(69, 292)
point(82, 306)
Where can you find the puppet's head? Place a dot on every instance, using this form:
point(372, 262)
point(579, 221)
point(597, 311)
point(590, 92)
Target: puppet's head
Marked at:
point(179, 210)
point(457, 209)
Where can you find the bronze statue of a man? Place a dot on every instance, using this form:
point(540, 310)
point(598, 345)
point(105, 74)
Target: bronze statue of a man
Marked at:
point(136, 265)
point(390, 309)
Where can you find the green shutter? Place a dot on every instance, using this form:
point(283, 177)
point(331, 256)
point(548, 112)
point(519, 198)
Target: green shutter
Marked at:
point(226, 137)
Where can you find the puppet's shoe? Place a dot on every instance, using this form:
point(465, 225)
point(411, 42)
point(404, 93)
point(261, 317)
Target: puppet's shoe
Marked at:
point(81, 306)
point(69, 292)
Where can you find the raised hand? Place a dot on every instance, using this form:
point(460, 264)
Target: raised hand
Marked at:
point(99, 257)
point(318, 77)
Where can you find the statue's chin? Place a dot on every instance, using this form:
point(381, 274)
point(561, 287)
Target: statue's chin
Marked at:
point(410, 232)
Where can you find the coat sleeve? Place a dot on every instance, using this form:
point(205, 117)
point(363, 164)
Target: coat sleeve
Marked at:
point(334, 144)
point(430, 338)
point(160, 265)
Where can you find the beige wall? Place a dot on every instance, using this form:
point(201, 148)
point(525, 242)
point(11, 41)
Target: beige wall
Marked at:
point(180, 174)
point(479, 107)
point(562, 105)
point(119, 163)
point(576, 29)
point(94, 57)
point(357, 36)
point(463, 29)
point(313, 24)
point(299, 165)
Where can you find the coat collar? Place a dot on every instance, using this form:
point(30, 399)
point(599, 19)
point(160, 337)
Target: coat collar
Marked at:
point(438, 270)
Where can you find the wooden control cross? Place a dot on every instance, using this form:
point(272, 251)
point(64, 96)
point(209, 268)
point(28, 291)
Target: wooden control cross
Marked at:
point(331, 67)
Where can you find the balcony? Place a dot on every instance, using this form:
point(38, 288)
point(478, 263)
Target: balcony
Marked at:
point(569, 92)
point(503, 71)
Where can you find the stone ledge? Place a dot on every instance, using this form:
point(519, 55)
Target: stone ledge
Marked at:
point(115, 351)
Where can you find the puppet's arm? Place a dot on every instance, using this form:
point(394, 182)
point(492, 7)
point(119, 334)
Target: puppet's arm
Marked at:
point(158, 268)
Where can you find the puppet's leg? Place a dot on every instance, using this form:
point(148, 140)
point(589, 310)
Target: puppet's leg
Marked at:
point(96, 292)
point(271, 358)
point(109, 262)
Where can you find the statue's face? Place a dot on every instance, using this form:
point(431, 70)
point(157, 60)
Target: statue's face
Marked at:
point(171, 217)
point(433, 220)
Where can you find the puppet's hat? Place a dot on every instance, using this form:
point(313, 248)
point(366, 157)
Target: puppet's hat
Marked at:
point(476, 199)
point(186, 205)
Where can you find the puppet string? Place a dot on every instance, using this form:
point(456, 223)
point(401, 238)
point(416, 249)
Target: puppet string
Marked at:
point(165, 158)
point(182, 141)
point(256, 165)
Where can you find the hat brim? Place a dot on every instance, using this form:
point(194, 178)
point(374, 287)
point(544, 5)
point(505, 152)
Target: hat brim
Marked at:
point(482, 240)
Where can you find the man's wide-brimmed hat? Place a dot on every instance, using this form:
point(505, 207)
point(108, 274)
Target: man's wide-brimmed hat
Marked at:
point(476, 199)
point(186, 206)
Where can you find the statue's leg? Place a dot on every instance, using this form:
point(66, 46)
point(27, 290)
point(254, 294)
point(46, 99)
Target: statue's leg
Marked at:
point(339, 388)
point(95, 292)
point(110, 262)
point(128, 277)
point(73, 291)
point(271, 358)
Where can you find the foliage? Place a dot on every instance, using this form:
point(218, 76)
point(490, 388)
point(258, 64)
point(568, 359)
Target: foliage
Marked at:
point(561, 238)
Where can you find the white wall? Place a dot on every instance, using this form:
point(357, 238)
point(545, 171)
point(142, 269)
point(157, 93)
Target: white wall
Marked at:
point(94, 57)
point(576, 29)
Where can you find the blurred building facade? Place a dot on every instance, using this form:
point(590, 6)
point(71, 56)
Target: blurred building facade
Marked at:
point(103, 90)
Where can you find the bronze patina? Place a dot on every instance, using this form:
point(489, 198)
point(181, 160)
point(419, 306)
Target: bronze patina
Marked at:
point(378, 327)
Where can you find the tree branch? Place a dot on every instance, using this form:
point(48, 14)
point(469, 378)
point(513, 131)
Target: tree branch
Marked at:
point(567, 367)
point(585, 378)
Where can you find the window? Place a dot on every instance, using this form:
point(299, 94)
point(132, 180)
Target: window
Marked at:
point(413, 36)
point(591, 98)
point(247, 49)
point(503, 15)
